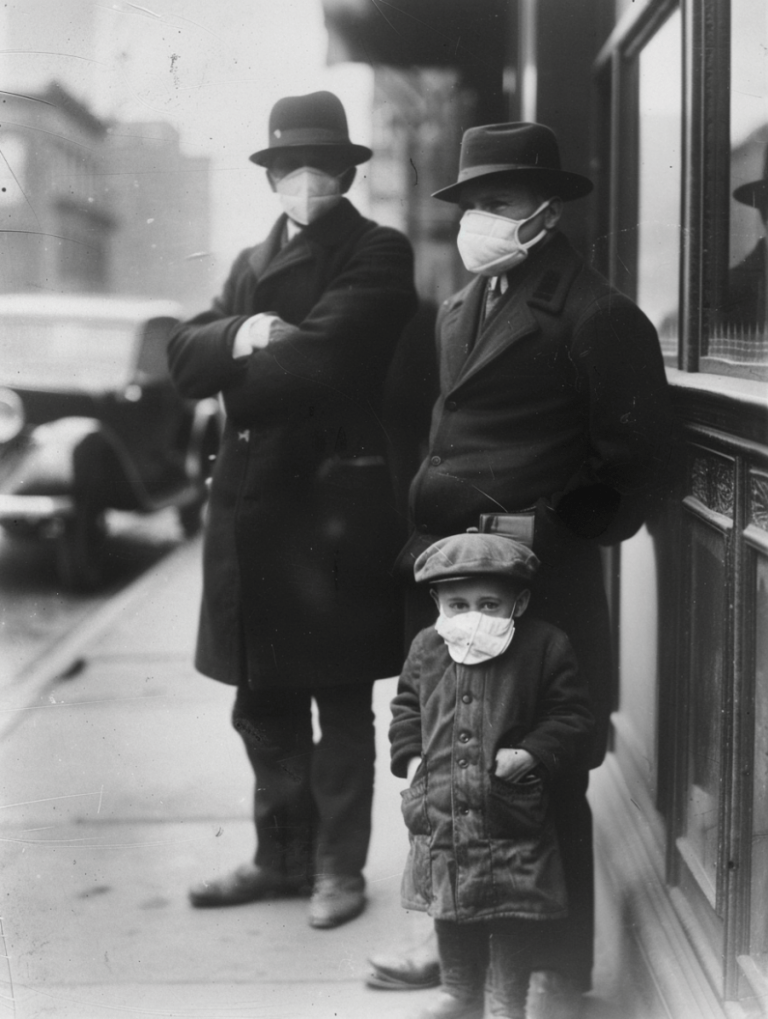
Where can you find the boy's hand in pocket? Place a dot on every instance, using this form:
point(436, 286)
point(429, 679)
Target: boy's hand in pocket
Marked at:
point(513, 764)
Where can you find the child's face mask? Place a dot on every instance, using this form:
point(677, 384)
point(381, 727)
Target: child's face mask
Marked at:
point(474, 637)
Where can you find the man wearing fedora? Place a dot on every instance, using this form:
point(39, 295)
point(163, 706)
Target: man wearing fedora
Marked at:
point(551, 426)
point(299, 604)
point(746, 304)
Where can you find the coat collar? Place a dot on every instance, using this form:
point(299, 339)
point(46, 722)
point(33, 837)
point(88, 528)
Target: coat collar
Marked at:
point(542, 282)
point(268, 258)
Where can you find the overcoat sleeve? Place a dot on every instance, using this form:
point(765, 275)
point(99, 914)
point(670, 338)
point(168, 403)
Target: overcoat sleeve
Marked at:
point(631, 427)
point(200, 350)
point(345, 342)
point(562, 733)
point(405, 728)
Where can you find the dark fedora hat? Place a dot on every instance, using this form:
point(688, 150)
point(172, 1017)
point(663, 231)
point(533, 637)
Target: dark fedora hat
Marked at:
point(520, 151)
point(755, 193)
point(317, 119)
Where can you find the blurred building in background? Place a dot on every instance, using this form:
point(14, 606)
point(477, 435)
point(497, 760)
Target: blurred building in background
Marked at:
point(160, 199)
point(89, 205)
point(58, 227)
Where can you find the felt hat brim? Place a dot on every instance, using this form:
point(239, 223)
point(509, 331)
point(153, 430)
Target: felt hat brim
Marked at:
point(755, 194)
point(561, 183)
point(357, 153)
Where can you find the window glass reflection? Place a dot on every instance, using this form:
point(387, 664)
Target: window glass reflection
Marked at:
point(739, 335)
point(660, 140)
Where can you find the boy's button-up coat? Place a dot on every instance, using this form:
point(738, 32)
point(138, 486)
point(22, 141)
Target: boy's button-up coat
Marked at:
point(301, 529)
point(481, 846)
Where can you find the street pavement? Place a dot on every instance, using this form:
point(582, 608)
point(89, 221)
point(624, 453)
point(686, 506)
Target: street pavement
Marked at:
point(122, 784)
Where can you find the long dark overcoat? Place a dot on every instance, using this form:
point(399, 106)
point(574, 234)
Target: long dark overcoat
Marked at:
point(559, 403)
point(301, 529)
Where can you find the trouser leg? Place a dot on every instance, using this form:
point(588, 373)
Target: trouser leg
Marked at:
point(276, 727)
point(342, 778)
point(514, 949)
point(573, 819)
point(463, 949)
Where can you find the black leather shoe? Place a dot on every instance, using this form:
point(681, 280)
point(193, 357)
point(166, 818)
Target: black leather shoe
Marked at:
point(247, 883)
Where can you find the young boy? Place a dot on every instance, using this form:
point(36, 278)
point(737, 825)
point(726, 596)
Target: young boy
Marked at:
point(489, 709)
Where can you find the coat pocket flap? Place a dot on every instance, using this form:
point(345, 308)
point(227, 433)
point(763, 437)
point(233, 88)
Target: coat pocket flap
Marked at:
point(414, 807)
point(517, 808)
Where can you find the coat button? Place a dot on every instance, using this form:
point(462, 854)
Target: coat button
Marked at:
point(463, 762)
point(466, 698)
point(424, 528)
point(451, 405)
point(464, 737)
point(435, 461)
point(465, 811)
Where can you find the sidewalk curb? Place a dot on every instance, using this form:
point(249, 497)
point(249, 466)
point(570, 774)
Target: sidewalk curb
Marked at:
point(53, 664)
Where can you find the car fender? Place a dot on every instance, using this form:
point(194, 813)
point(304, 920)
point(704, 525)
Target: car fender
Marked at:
point(46, 464)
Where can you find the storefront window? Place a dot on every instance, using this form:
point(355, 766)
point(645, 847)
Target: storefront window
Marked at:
point(739, 338)
point(660, 164)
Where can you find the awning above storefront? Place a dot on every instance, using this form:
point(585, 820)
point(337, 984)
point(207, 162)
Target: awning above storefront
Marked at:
point(429, 33)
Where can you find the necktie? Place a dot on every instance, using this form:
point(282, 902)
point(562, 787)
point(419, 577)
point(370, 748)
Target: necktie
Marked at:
point(492, 297)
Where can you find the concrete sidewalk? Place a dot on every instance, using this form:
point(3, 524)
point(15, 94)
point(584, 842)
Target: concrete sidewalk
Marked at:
point(124, 784)
point(120, 787)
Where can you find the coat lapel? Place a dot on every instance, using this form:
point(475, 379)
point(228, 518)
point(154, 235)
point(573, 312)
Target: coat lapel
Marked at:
point(544, 283)
point(269, 259)
point(458, 329)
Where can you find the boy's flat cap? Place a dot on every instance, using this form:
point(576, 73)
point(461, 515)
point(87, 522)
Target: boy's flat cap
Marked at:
point(468, 555)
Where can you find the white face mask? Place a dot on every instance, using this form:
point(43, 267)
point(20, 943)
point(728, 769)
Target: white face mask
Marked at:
point(490, 245)
point(474, 637)
point(307, 193)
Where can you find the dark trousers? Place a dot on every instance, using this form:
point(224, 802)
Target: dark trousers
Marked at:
point(312, 803)
point(574, 955)
point(499, 955)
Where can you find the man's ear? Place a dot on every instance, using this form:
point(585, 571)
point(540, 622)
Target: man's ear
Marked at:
point(521, 603)
point(434, 596)
point(346, 179)
point(271, 182)
point(553, 212)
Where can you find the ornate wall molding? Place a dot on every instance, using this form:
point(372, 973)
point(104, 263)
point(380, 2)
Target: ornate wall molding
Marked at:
point(713, 483)
point(758, 501)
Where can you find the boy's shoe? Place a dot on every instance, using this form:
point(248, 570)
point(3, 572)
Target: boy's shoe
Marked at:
point(336, 899)
point(552, 996)
point(412, 970)
point(445, 1006)
point(248, 883)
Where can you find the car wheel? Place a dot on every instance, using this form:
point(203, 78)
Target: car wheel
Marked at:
point(80, 550)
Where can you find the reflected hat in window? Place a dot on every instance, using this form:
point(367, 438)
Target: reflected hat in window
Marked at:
point(755, 193)
point(518, 152)
point(318, 120)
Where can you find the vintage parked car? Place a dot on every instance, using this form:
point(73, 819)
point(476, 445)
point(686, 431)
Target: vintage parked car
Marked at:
point(90, 421)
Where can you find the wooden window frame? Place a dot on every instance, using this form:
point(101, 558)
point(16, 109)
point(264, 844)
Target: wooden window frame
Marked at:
point(725, 414)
